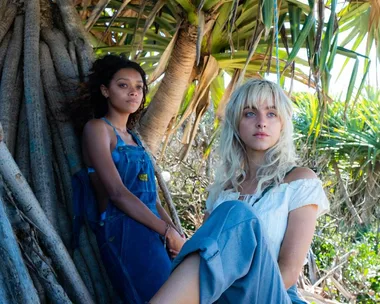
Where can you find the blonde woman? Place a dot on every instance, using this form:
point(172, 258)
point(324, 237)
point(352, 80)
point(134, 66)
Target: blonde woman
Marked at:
point(262, 210)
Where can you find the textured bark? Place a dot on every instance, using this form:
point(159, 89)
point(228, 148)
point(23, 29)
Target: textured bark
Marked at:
point(22, 147)
point(93, 267)
point(38, 262)
point(13, 271)
point(63, 178)
point(167, 100)
point(28, 203)
point(62, 61)
point(56, 100)
point(40, 289)
point(7, 19)
point(53, 289)
point(11, 86)
point(73, 58)
point(10, 108)
point(3, 49)
point(94, 245)
point(4, 296)
point(39, 141)
point(3, 6)
point(84, 272)
point(76, 33)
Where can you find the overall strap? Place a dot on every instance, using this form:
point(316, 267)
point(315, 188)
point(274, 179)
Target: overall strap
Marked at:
point(120, 141)
point(109, 123)
point(270, 187)
point(136, 139)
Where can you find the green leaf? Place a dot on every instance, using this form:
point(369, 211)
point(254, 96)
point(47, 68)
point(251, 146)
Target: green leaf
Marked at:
point(267, 11)
point(310, 20)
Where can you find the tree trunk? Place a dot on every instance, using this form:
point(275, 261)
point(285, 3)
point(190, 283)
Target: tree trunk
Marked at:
point(3, 49)
point(167, 100)
point(11, 86)
point(7, 19)
point(31, 208)
point(13, 272)
point(45, 67)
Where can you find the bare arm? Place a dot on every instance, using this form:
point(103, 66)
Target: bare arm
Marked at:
point(296, 243)
point(163, 214)
point(96, 143)
point(298, 234)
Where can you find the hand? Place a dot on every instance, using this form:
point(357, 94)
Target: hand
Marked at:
point(174, 242)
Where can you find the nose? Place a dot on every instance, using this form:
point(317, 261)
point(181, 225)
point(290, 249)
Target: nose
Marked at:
point(133, 92)
point(261, 122)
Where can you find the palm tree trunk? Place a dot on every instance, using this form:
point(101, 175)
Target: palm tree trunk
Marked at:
point(167, 100)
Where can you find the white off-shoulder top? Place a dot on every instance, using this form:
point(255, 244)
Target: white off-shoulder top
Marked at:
point(274, 207)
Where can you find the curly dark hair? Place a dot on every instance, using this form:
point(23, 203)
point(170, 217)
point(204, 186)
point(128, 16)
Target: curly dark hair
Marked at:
point(91, 103)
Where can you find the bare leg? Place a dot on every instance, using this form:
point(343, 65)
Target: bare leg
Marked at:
point(182, 287)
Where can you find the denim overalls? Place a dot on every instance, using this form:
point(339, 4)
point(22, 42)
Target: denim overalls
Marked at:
point(133, 255)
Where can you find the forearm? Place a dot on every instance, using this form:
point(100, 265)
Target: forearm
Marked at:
point(289, 275)
point(134, 208)
point(163, 214)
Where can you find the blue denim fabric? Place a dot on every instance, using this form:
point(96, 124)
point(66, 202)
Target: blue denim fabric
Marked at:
point(133, 255)
point(236, 266)
point(294, 297)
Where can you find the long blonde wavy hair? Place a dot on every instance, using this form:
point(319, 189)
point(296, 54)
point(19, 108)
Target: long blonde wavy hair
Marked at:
point(279, 159)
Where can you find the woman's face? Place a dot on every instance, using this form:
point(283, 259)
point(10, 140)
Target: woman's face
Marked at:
point(260, 128)
point(125, 91)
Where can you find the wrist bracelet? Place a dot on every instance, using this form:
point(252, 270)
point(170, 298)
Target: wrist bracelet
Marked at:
point(166, 233)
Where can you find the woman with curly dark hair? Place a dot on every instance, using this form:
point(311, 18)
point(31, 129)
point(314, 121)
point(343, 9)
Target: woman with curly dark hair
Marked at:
point(120, 199)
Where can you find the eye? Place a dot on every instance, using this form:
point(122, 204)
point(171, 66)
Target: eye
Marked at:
point(249, 114)
point(139, 87)
point(272, 114)
point(123, 85)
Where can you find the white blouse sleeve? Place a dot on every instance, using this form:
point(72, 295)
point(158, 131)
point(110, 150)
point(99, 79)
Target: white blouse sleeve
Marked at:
point(308, 192)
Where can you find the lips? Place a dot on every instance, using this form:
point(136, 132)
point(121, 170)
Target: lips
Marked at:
point(260, 134)
point(132, 101)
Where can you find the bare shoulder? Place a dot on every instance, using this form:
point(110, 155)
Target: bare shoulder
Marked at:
point(300, 173)
point(96, 124)
point(95, 127)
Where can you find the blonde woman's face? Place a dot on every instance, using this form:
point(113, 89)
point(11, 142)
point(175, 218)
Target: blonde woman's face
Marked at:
point(260, 128)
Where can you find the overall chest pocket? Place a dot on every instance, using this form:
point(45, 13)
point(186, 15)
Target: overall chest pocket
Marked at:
point(136, 169)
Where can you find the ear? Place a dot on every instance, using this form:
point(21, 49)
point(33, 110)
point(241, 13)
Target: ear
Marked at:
point(104, 90)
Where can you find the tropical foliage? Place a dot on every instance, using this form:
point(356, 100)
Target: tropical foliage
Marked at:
point(343, 149)
point(195, 52)
point(208, 40)
point(346, 143)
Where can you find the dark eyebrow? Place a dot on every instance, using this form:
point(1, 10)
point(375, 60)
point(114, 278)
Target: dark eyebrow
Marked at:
point(128, 79)
point(254, 108)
